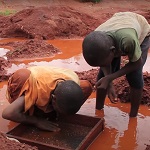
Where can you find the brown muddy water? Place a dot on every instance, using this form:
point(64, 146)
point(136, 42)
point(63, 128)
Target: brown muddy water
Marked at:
point(120, 132)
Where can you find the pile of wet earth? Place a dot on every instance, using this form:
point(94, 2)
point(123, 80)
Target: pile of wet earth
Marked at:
point(33, 48)
point(47, 23)
point(13, 144)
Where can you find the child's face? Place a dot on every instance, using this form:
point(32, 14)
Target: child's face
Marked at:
point(54, 103)
point(108, 60)
point(55, 106)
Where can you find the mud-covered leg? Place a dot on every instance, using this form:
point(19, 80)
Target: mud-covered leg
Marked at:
point(136, 82)
point(135, 96)
point(101, 93)
point(100, 98)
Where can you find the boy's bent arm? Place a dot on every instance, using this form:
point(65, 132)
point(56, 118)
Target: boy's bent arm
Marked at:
point(101, 93)
point(128, 68)
point(15, 112)
point(105, 82)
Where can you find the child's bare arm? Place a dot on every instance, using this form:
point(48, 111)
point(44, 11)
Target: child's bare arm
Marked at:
point(106, 82)
point(129, 67)
point(15, 112)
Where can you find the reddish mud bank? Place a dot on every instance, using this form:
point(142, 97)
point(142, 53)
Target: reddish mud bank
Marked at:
point(148, 147)
point(47, 23)
point(34, 48)
point(123, 90)
point(10, 144)
point(55, 22)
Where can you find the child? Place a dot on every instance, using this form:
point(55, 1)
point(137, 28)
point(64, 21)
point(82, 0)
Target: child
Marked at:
point(46, 89)
point(125, 34)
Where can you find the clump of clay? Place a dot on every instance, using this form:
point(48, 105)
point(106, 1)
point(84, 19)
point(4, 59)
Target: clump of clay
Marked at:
point(123, 90)
point(48, 22)
point(89, 75)
point(4, 64)
point(7, 144)
point(148, 147)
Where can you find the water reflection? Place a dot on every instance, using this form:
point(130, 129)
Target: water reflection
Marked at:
point(76, 63)
point(3, 52)
point(120, 132)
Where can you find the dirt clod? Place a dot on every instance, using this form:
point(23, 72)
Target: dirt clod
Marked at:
point(7, 144)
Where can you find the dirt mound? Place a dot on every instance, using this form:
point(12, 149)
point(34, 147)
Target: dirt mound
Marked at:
point(34, 48)
point(122, 88)
point(47, 23)
point(148, 147)
point(89, 75)
point(11, 144)
point(4, 64)
point(121, 85)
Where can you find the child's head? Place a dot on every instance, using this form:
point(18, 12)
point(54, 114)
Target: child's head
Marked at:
point(68, 97)
point(97, 49)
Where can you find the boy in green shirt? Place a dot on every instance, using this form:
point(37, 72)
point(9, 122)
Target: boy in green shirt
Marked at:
point(125, 34)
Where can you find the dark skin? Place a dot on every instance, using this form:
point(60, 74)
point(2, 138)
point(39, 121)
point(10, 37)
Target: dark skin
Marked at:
point(104, 85)
point(15, 112)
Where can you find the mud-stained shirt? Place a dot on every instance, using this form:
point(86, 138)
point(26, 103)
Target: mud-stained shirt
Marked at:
point(127, 20)
point(39, 83)
point(126, 41)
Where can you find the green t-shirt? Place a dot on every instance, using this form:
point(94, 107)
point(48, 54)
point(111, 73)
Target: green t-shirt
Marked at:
point(127, 41)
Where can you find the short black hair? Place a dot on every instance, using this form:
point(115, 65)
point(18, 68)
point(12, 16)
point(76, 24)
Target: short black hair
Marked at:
point(69, 97)
point(95, 47)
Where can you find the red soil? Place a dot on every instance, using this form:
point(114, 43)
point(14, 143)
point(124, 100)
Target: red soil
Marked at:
point(7, 144)
point(47, 23)
point(33, 48)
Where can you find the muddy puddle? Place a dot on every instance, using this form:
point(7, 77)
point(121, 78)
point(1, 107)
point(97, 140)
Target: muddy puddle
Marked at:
point(120, 132)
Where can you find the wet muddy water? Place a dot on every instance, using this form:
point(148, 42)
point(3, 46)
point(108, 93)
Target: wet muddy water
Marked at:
point(120, 132)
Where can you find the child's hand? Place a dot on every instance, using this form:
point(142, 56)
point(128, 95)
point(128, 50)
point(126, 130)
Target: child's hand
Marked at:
point(47, 125)
point(103, 83)
point(112, 94)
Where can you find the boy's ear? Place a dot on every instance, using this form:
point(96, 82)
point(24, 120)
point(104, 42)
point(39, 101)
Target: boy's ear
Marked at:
point(112, 49)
